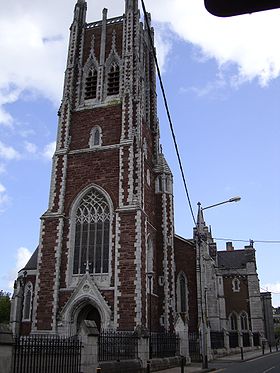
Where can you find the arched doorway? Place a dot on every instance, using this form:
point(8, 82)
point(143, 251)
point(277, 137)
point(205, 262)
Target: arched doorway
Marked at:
point(89, 312)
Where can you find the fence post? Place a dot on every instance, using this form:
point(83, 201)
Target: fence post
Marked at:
point(89, 358)
point(182, 329)
point(6, 349)
point(143, 344)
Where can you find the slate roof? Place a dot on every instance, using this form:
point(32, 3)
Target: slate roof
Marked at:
point(235, 258)
point(32, 263)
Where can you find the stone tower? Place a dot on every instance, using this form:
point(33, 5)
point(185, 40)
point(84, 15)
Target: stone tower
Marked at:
point(110, 216)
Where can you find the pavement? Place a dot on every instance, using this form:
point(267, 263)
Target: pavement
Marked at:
point(234, 358)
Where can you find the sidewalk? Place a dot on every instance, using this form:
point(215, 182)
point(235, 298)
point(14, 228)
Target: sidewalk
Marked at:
point(247, 356)
point(234, 358)
point(193, 368)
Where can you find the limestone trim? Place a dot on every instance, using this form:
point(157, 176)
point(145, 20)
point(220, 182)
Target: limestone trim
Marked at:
point(86, 293)
point(138, 279)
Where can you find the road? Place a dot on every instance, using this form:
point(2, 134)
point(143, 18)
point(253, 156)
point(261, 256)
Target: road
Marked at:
point(263, 364)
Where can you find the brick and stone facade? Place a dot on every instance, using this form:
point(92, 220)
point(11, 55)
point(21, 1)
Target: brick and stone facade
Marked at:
point(107, 151)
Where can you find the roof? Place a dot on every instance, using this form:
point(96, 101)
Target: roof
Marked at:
point(235, 258)
point(32, 263)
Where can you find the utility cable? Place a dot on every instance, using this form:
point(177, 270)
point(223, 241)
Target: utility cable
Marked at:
point(168, 111)
point(246, 241)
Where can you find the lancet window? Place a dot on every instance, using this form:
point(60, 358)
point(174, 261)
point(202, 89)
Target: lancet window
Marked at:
point(95, 137)
point(182, 292)
point(92, 234)
point(91, 84)
point(113, 86)
point(27, 305)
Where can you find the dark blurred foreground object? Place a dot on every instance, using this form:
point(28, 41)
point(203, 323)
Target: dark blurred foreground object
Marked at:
point(229, 8)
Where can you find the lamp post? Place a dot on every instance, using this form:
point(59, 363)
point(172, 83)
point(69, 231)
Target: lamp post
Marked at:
point(150, 277)
point(203, 288)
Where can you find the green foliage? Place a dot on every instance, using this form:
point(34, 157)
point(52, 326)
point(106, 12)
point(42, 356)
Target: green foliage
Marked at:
point(5, 307)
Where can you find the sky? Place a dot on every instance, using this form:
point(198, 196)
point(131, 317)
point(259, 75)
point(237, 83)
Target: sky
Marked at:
point(222, 82)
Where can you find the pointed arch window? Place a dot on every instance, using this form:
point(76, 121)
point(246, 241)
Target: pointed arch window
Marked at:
point(27, 305)
point(244, 321)
point(91, 84)
point(150, 259)
point(113, 87)
point(95, 137)
point(236, 285)
point(182, 293)
point(233, 321)
point(92, 234)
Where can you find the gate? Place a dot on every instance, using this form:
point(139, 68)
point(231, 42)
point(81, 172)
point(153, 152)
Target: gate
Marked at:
point(194, 347)
point(47, 354)
point(165, 345)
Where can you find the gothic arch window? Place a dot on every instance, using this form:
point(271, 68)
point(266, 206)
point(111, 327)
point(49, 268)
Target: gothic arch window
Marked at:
point(182, 293)
point(27, 305)
point(113, 80)
point(92, 234)
point(150, 259)
point(95, 137)
point(91, 84)
point(235, 285)
point(233, 321)
point(244, 321)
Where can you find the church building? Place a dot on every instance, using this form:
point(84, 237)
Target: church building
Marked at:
point(107, 237)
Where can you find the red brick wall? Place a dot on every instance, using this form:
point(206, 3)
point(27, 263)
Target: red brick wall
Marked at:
point(185, 259)
point(236, 301)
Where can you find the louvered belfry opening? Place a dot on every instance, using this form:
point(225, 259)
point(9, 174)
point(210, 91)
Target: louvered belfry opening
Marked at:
point(113, 80)
point(91, 84)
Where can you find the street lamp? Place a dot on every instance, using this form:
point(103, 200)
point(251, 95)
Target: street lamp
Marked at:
point(203, 290)
point(150, 277)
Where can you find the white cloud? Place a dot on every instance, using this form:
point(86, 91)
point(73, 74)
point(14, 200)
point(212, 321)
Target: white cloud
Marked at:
point(22, 257)
point(30, 147)
point(8, 152)
point(4, 199)
point(49, 150)
point(34, 38)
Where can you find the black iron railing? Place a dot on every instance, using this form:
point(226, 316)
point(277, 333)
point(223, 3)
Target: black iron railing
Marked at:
point(233, 339)
point(256, 338)
point(47, 354)
point(165, 345)
point(246, 339)
point(217, 340)
point(116, 345)
point(194, 347)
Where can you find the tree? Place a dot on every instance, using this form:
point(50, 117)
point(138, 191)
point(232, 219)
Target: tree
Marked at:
point(5, 307)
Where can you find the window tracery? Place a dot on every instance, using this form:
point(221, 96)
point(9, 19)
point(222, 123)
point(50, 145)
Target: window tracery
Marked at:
point(92, 234)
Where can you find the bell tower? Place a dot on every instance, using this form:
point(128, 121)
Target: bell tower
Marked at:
point(110, 216)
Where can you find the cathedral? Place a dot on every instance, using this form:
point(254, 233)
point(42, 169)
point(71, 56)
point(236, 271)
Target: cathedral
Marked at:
point(107, 249)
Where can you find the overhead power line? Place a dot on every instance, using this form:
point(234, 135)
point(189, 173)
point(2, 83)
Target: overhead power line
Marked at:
point(168, 111)
point(246, 241)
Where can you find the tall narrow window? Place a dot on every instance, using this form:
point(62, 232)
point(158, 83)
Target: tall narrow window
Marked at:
point(91, 84)
point(182, 294)
point(95, 137)
point(244, 321)
point(113, 80)
point(27, 305)
point(150, 261)
point(92, 234)
point(233, 321)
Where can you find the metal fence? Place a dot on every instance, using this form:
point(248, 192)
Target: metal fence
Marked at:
point(217, 340)
point(246, 339)
point(256, 338)
point(194, 347)
point(165, 345)
point(233, 339)
point(52, 354)
point(115, 345)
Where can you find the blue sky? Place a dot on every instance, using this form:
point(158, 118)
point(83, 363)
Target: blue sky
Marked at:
point(223, 87)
